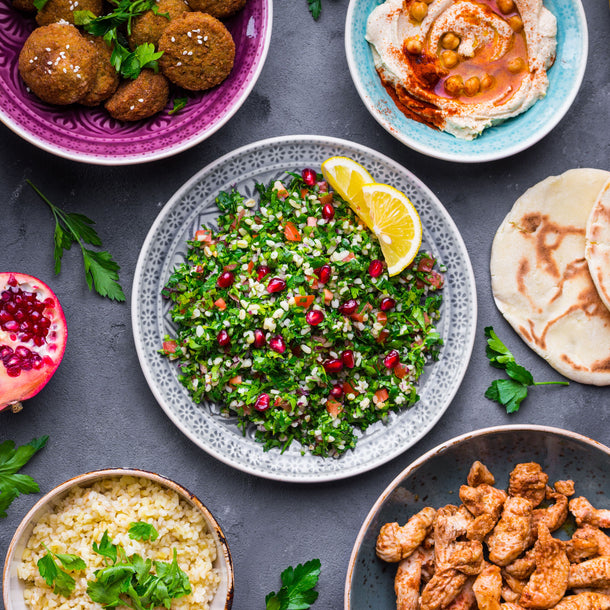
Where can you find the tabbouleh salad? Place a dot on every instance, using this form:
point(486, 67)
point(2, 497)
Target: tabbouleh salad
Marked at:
point(287, 318)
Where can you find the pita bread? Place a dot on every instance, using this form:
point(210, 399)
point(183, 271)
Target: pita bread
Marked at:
point(541, 281)
point(597, 250)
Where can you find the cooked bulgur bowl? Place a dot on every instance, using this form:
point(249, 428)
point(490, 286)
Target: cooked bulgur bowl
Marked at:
point(111, 505)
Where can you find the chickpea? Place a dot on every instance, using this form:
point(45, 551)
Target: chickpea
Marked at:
point(450, 41)
point(487, 82)
point(515, 23)
point(506, 6)
point(516, 65)
point(413, 46)
point(450, 59)
point(472, 86)
point(454, 85)
point(419, 10)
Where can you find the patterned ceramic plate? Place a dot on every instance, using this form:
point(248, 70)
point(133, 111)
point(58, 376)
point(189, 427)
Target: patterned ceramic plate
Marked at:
point(92, 136)
point(165, 247)
point(508, 138)
point(435, 478)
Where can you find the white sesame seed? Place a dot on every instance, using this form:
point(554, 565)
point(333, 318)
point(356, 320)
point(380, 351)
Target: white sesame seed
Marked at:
point(141, 100)
point(205, 38)
point(178, 63)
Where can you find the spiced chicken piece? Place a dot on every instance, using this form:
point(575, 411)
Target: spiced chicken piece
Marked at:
point(513, 587)
point(528, 481)
point(510, 536)
point(587, 542)
point(442, 589)
point(483, 500)
point(565, 487)
point(510, 606)
point(555, 515)
point(586, 514)
point(522, 567)
point(584, 601)
point(480, 527)
point(590, 573)
point(488, 588)
point(465, 599)
point(479, 474)
point(395, 542)
point(408, 581)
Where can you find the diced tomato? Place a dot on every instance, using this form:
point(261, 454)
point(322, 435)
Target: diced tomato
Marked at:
point(358, 316)
point(425, 264)
point(333, 407)
point(349, 389)
point(327, 198)
point(230, 267)
point(220, 303)
point(170, 347)
point(328, 296)
point(323, 186)
point(199, 269)
point(381, 395)
point(250, 266)
point(304, 300)
point(304, 193)
point(315, 283)
point(426, 319)
point(400, 370)
point(350, 256)
point(312, 221)
point(436, 279)
point(204, 235)
point(291, 232)
point(382, 317)
point(235, 380)
point(383, 335)
point(282, 193)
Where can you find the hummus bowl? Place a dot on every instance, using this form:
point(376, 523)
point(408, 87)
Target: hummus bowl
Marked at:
point(501, 140)
point(435, 478)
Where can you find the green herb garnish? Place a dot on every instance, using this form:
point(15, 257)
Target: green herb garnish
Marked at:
point(40, 4)
point(510, 393)
point(101, 272)
point(11, 461)
point(54, 576)
point(297, 588)
point(178, 104)
point(130, 581)
point(140, 530)
point(315, 8)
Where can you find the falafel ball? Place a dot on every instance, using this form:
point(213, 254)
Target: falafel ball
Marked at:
point(198, 51)
point(140, 98)
point(63, 10)
point(148, 27)
point(27, 6)
point(221, 9)
point(106, 79)
point(58, 64)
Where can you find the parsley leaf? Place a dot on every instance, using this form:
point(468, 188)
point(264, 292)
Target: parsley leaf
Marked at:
point(39, 4)
point(101, 272)
point(12, 460)
point(178, 104)
point(315, 8)
point(140, 530)
point(510, 393)
point(54, 576)
point(297, 588)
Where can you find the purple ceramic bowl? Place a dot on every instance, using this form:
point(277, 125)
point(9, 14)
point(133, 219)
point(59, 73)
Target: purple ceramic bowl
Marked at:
point(92, 136)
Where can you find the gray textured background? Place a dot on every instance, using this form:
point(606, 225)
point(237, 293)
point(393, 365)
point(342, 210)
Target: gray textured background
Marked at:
point(98, 409)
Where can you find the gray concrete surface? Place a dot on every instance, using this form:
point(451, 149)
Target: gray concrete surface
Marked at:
point(98, 409)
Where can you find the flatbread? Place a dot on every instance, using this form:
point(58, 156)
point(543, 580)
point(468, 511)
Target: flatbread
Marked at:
point(541, 281)
point(597, 250)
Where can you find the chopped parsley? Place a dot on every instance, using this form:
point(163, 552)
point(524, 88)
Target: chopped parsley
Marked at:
point(55, 576)
point(280, 321)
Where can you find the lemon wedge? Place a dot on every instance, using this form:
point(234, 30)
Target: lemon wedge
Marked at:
point(395, 222)
point(347, 178)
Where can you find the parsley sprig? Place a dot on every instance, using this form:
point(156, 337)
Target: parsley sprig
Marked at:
point(140, 530)
point(510, 393)
point(315, 8)
point(54, 576)
point(101, 272)
point(127, 63)
point(297, 588)
point(130, 576)
point(11, 461)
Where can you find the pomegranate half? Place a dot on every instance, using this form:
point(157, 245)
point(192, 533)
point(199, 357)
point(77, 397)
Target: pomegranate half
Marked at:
point(33, 335)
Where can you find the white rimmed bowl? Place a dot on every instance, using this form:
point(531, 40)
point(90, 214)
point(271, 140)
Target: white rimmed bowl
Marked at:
point(13, 587)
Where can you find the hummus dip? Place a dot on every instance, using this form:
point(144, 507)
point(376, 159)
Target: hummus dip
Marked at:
point(461, 65)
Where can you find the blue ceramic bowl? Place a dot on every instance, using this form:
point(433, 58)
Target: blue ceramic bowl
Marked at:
point(508, 138)
point(435, 478)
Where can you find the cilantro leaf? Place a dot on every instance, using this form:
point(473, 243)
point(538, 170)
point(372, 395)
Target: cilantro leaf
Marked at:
point(54, 576)
point(11, 461)
point(315, 8)
point(297, 591)
point(178, 104)
point(140, 530)
point(101, 272)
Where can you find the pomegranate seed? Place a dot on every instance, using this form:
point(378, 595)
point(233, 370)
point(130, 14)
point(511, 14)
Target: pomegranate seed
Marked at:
point(349, 307)
point(323, 273)
point(276, 284)
point(347, 357)
point(259, 338)
point(223, 338)
point(277, 344)
point(328, 212)
point(225, 280)
point(309, 176)
point(387, 303)
point(262, 271)
point(375, 268)
point(11, 325)
point(392, 359)
point(5, 351)
point(336, 391)
point(314, 317)
point(262, 402)
point(333, 366)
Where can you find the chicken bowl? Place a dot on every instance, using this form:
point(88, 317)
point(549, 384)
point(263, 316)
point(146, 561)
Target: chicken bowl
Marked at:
point(444, 479)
